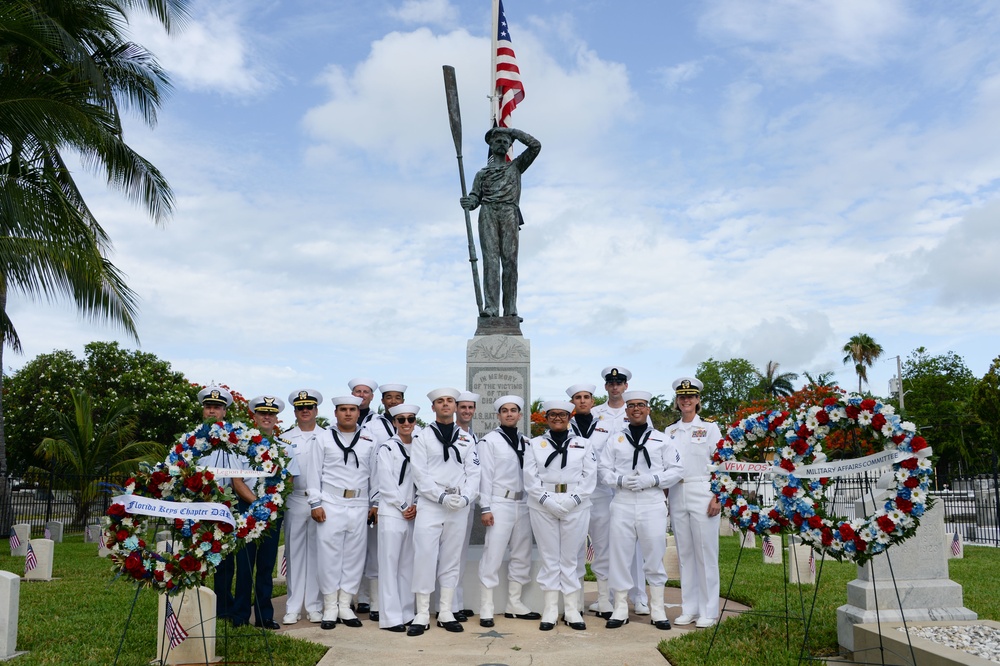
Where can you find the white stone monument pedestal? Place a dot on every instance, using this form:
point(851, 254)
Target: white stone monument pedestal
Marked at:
point(10, 595)
point(43, 549)
point(195, 610)
point(23, 531)
point(922, 589)
point(498, 365)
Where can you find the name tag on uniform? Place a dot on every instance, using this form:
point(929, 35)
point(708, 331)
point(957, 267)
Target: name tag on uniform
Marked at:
point(576, 446)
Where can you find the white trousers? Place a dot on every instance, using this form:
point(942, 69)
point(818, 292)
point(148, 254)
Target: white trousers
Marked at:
point(438, 533)
point(511, 526)
point(559, 547)
point(642, 524)
point(342, 547)
point(458, 603)
point(600, 535)
point(697, 538)
point(371, 564)
point(395, 554)
point(301, 544)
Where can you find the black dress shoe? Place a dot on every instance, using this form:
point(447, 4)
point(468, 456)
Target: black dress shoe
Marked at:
point(373, 616)
point(527, 616)
point(354, 623)
point(485, 622)
point(579, 626)
point(362, 609)
point(614, 624)
point(399, 628)
point(269, 624)
point(546, 626)
point(461, 616)
point(468, 612)
point(328, 624)
point(454, 627)
point(606, 615)
point(663, 625)
point(417, 629)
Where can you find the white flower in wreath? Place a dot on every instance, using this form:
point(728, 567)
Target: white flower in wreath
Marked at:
point(883, 538)
point(902, 475)
point(924, 463)
point(908, 426)
point(787, 452)
point(917, 495)
point(888, 410)
point(838, 413)
point(821, 431)
point(865, 418)
point(811, 421)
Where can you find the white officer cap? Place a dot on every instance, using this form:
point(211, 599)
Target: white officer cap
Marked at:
point(442, 393)
point(306, 397)
point(558, 405)
point(385, 388)
point(346, 400)
point(215, 395)
point(506, 400)
point(645, 396)
point(404, 409)
point(361, 381)
point(688, 386)
point(577, 388)
point(267, 404)
point(615, 372)
point(467, 396)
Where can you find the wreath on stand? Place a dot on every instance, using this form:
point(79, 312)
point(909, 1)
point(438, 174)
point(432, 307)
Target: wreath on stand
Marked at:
point(802, 474)
point(203, 534)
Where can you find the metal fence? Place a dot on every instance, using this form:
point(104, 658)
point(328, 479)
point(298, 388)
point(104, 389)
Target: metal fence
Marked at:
point(39, 498)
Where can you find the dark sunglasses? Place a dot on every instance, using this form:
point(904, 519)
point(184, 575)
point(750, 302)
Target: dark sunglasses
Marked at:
point(304, 408)
point(405, 419)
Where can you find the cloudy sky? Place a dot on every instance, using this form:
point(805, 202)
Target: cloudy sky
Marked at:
point(723, 178)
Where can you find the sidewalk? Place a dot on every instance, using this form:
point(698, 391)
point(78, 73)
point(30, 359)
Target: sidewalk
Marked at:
point(509, 643)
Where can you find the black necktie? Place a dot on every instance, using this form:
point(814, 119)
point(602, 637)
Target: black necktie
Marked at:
point(516, 444)
point(348, 450)
point(406, 463)
point(559, 450)
point(640, 447)
point(448, 445)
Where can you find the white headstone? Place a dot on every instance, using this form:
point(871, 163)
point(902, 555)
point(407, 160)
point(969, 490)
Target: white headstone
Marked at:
point(10, 594)
point(54, 531)
point(162, 535)
point(672, 563)
point(195, 611)
point(280, 563)
point(23, 531)
point(43, 550)
point(801, 563)
point(725, 528)
point(92, 534)
point(771, 547)
point(102, 549)
point(749, 540)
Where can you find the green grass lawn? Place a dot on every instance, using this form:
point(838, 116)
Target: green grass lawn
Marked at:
point(80, 618)
point(759, 637)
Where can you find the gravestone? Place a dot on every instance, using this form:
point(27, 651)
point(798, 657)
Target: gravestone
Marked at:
point(279, 564)
point(771, 548)
point(54, 531)
point(163, 535)
point(749, 540)
point(195, 611)
point(92, 534)
point(10, 595)
point(498, 365)
point(671, 561)
point(801, 563)
point(23, 531)
point(922, 586)
point(725, 528)
point(43, 549)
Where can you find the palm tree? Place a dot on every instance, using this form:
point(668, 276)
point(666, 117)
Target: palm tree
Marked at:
point(862, 351)
point(774, 384)
point(824, 379)
point(85, 449)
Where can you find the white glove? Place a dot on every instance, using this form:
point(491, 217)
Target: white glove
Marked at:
point(567, 502)
point(633, 483)
point(553, 505)
point(647, 481)
point(456, 502)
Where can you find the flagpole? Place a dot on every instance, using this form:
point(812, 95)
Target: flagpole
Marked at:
point(494, 101)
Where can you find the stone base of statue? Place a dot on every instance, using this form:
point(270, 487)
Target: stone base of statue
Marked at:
point(498, 364)
point(921, 590)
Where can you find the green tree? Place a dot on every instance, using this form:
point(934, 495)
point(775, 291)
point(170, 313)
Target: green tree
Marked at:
point(824, 379)
point(728, 384)
point(862, 351)
point(774, 384)
point(939, 399)
point(986, 403)
point(84, 447)
point(164, 402)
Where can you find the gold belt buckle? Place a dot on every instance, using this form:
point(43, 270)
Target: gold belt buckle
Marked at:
point(561, 487)
point(350, 494)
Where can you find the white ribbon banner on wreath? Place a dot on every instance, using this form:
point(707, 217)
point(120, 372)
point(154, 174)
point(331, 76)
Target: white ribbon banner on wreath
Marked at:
point(228, 473)
point(148, 506)
point(848, 467)
point(738, 467)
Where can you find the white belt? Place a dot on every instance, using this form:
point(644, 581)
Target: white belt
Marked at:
point(347, 493)
point(516, 495)
point(694, 479)
point(559, 487)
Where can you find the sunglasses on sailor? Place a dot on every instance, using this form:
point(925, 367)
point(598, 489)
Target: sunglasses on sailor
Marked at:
point(304, 408)
point(405, 419)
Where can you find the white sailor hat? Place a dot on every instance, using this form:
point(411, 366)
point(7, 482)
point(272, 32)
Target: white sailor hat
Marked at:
point(267, 404)
point(577, 388)
point(346, 400)
point(385, 388)
point(404, 409)
point(558, 405)
point(215, 395)
point(443, 393)
point(614, 373)
point(467, 396)
point(305, 397)
point(507, 399)
point(688, 386)
point(362, 381)
point(645, 396)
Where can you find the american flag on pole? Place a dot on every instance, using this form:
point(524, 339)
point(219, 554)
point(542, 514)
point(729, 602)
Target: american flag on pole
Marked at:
point(768, 546)
point(30, 562)
point(956, 545)
point(812, 563)
point(284, 565)
point(15, 543)
point(590, 549)
point(101, 543)
point(175, 632)
point(507, 86)
point(48, 533)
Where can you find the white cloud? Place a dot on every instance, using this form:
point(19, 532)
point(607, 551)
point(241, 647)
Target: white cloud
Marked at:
point(675, 75)
point(426, 12)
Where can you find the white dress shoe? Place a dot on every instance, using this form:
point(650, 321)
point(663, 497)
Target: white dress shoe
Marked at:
point(315, 617)
point(291, 618)
point(641, 608)
point(704, 622)
point(684, 620)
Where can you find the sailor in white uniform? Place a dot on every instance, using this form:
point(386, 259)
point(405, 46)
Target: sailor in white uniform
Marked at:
point(640, 464)
point(364, 388)
point(694, 509)
point(560, 473)
point(465, 411)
